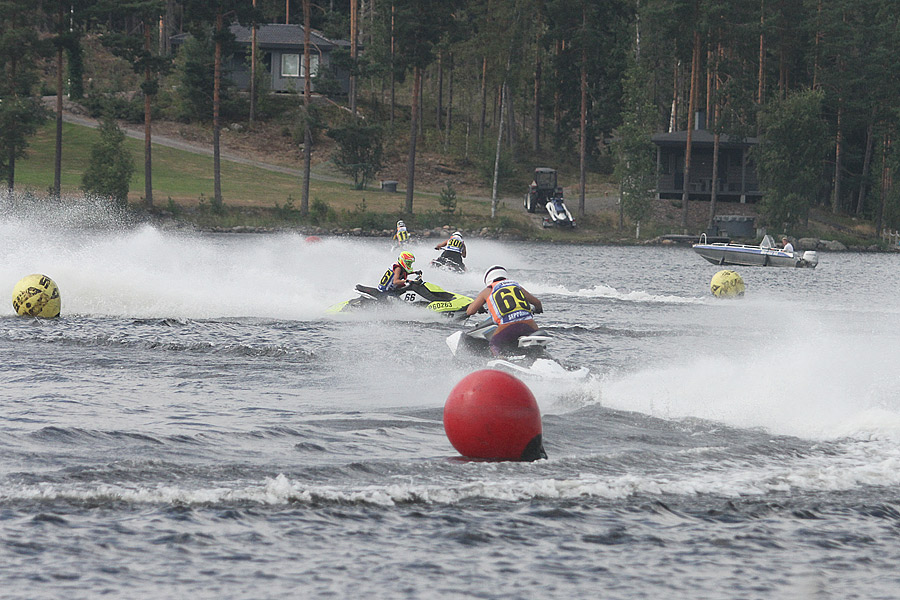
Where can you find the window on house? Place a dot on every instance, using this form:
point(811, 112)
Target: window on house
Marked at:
point(292, 65)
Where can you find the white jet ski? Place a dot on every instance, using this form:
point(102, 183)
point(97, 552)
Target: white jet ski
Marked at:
point(528, 357)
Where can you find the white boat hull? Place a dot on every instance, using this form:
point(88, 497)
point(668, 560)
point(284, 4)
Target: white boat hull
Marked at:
point(754, 256)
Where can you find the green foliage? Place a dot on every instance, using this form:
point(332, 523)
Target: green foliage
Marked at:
point(75, 65)
point(194, 73)
point(20, 118)
point(359, 153)
point(320, 212)
point(360, 216)
point(633, 150)
point(505, 169)
point(287, 211)
point(448, 198)
point(794, 143)
point(21, 111)
point(109, 173)
point(114, 105)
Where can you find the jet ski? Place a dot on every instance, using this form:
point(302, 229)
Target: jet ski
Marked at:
point(528, 357)
point(417, 293)
point(557, 213)
point(446, 264)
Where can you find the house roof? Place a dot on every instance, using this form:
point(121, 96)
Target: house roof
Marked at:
point(702, 137)
point(276, 35)
point(284, 36)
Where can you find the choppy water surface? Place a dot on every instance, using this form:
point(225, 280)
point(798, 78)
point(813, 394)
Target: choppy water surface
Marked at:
point(195, 425)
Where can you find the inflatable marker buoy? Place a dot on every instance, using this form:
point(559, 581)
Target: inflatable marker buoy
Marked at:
point(313, 239)
point(727, 284)
point(36, 296)
point(492, 415)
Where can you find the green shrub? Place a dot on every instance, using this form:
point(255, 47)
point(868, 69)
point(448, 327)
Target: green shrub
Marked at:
point(111, 166)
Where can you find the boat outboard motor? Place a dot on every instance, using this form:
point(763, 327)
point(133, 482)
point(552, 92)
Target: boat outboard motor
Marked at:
point(809, 258)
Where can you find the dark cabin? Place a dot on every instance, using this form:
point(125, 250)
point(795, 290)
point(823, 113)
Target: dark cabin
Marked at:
point(737, 179)
point(280, 48)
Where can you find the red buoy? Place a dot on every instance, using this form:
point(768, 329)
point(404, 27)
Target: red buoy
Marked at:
point(313, 239)
point(491, 414)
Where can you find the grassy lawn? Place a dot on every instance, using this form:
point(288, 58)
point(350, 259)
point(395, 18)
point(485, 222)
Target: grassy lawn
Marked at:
point(185, 177)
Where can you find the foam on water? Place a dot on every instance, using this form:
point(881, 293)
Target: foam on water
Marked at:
point(815, 386)
point(874, 464)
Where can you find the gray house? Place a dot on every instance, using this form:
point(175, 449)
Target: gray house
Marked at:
point(737, 180)
point(280, 49)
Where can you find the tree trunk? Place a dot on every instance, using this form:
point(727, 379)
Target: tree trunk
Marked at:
point(11, 172)
point(393, 78)
point(714, 194)
point(449, 107)
point(713, 119)
point(557, 110)
point(483, 99)
point(536, 117)
point(582, 150)
point(494, 199)
point(438, 113)
point(148, 160)
point(354, 33)
point(307, 133)
point(692, 100)
point(838, 159)
point(867, 164)
point(253, 47)
point(413, 129)
point(57, 161)
point(761, 83)
point(885, 182)
point(673, 113)
point(818, 39)
point(217, 84)
point(511, 140)
point(169, 27)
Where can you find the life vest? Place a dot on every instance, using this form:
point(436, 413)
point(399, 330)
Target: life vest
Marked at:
point(402, 234)
point(454, 245)
point(387, 280)
point(507, 303)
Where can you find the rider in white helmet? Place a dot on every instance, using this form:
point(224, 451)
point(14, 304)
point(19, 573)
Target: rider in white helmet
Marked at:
point(454, 250)
point(510, 306)
point(402, 235)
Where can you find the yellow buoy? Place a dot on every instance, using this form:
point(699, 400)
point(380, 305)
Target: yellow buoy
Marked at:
point(727, 284)
point(36, 296)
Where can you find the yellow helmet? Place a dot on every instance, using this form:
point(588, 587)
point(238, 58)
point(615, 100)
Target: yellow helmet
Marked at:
point(406, 261)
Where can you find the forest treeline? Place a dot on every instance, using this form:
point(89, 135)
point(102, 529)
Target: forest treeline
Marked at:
point(588, 80)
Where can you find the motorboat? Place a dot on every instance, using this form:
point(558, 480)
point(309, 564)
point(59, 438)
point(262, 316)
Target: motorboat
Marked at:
point(764, 255)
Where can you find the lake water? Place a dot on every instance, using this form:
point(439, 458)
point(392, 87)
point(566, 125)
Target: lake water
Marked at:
point(195, 425)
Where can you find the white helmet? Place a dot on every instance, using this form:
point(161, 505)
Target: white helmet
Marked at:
point(401, 224)
point(456, 234)
point(493, 274)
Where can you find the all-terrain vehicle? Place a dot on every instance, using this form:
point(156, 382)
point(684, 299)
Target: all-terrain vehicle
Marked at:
point(542, 189)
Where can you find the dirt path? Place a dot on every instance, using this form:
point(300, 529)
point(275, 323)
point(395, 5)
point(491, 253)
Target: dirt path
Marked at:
point(605, 202)
point(179, 144)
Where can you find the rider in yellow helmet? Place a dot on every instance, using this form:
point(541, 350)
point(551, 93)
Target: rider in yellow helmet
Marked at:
point(394, 279)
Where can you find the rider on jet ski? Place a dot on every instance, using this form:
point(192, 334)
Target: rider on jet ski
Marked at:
point(393, 282)
point(510, 306)
point(454, 250)
point(402, 235)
